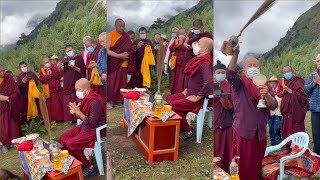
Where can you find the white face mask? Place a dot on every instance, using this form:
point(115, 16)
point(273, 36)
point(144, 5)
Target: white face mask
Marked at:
point(252, 71)
point(79, 94)
point(47, 65)
point(196, 49)
point(24, 69)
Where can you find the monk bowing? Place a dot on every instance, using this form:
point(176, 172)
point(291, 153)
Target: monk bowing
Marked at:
point(92, 111)
point(73, 68)
point(10, 104)
point(250, 122)
point(50, 76)
point(120, 61)
point(195, 35)
point(294, 104)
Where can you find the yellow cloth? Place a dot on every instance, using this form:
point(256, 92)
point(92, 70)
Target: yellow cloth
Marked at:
point(114, 37)
point(33, 92)
point(45, 87)
point(1, 79)
point(173, 60)
point(95, 78)
point(148, 60)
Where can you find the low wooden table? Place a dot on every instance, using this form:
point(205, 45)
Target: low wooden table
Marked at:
point(157, 140)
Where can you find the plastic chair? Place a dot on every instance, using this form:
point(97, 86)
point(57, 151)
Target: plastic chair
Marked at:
point(201, 116)
point(300, 138)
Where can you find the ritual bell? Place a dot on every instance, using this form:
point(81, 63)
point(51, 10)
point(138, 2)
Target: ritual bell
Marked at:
point(262, 104)
point(229, 46)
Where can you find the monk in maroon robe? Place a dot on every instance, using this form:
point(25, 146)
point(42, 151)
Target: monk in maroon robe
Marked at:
point(223, 118)
point(23, 83)
point(73, 68)
point(178, 50)
point(294, 103)
point(92, 60)
point(50, 75)
point(10, 104)
point(120, 61)
point(250, 122)
point(195, 35)
point(92, 112)
point(200, 70)
point(139, 44)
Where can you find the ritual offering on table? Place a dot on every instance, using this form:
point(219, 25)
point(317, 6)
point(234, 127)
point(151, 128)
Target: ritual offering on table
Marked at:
point(167, 108)
point(260, 80)
point(234, 169)
point(64, 154)
point(158, 104)
point(55, 155)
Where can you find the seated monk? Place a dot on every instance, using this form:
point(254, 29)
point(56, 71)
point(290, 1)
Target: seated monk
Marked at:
point(200, 70)
point(92, 111)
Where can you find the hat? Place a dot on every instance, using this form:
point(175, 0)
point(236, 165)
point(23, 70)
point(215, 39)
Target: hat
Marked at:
point(273, 78)
point(25, 146)
point(163, 36)
point(54, 57)
point(219, 65)
point(132, 95)
point(317, 58)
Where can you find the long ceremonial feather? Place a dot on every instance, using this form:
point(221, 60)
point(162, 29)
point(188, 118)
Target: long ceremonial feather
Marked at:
point(262, 9)
point(45, 115)
point(160, 59)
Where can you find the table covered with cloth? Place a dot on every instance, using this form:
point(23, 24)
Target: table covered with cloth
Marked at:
point(220, 174)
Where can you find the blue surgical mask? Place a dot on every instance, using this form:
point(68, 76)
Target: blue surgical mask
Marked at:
point(288, 75)
point(24, 69)
point(90, 49)
point(70, 54)
point(220, 77)
point(196, 31)
point(47, 65)
point(143, 36)
point(173, 35)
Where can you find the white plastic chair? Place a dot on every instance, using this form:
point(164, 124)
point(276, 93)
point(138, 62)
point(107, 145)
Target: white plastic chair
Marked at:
point(300, 138)
point(97, 148)
point(201, 116)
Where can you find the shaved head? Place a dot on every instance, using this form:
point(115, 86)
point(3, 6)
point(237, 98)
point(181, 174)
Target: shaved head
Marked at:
point(206, 45)
point(120, 25)
point(83, 84)
point(45, 60)
point(197, 22)
point(287, 69)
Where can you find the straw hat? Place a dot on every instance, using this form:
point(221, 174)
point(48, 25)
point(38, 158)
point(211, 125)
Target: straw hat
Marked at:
point(273, 78)
point(317, 58)
point(163, 36)
point(54, 57)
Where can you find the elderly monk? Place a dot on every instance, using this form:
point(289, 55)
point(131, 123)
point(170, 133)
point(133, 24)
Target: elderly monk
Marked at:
point(73, 68)
point(250, 122)
point(294, 103)
point(92, 111)
point(102, 61)
point(174, 36)
point(85, 52)
point(50, 76)
point(197, 33)
point(200, 70)
point(139, 44)
point(178, 51)
point(92, 60)
point(10, 104)
point(23, 83)
point(223, 118)
point(120, 61)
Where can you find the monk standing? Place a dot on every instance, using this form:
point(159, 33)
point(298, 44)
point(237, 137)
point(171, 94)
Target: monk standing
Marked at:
point(132, 35)
point(50, 76)
point(92, 112)
point(102, 61)
point(85, 52)
point(120, 61)
point(294, 103)
point(23, 83)
point(200, 70)
point(223, 118)
point(250, 122)
point(73, 68)
point(174, 36)
point(195, 35)
point(10, 104)
point(178, 51)
point(139, 44)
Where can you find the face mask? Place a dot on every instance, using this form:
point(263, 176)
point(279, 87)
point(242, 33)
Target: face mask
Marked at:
point(173, 35)
point(143, 36)
point(182, 37)
point(288, 75)
point(47, 65)
point(79, 94)
point(90, 49)
point(196, 50)
point(251, 72)
point(196, 31)
point(220, 77)
point(70, 54)
point(24, 69)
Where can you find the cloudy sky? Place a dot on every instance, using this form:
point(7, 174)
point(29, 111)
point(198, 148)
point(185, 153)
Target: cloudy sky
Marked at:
point(144, 12)
point(15, 15)
point(264, 33)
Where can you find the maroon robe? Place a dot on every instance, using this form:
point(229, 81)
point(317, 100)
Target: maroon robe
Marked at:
point(223, 131)
point(137, 78)
point(94, 57)
point(293, 106)
point(183, 83)
point(177, 72)
point(117, 75)
point(54, 102)
point(24, 88)
point(70, 76)
point(10, 125)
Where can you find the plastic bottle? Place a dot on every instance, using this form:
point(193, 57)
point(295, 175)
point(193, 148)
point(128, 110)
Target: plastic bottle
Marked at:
point(158, 107)
point(57, 163)
point(234, 170)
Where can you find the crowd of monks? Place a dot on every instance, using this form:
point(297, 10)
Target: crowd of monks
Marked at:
point(240, 127)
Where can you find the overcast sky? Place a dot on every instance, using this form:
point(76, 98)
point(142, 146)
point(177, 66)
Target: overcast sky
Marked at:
point(144, 12)
point(264, 33)
point(15, 14)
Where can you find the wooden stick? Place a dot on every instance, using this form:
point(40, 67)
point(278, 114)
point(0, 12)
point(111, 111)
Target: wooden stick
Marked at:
point(160, 61)
point(45, 115)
